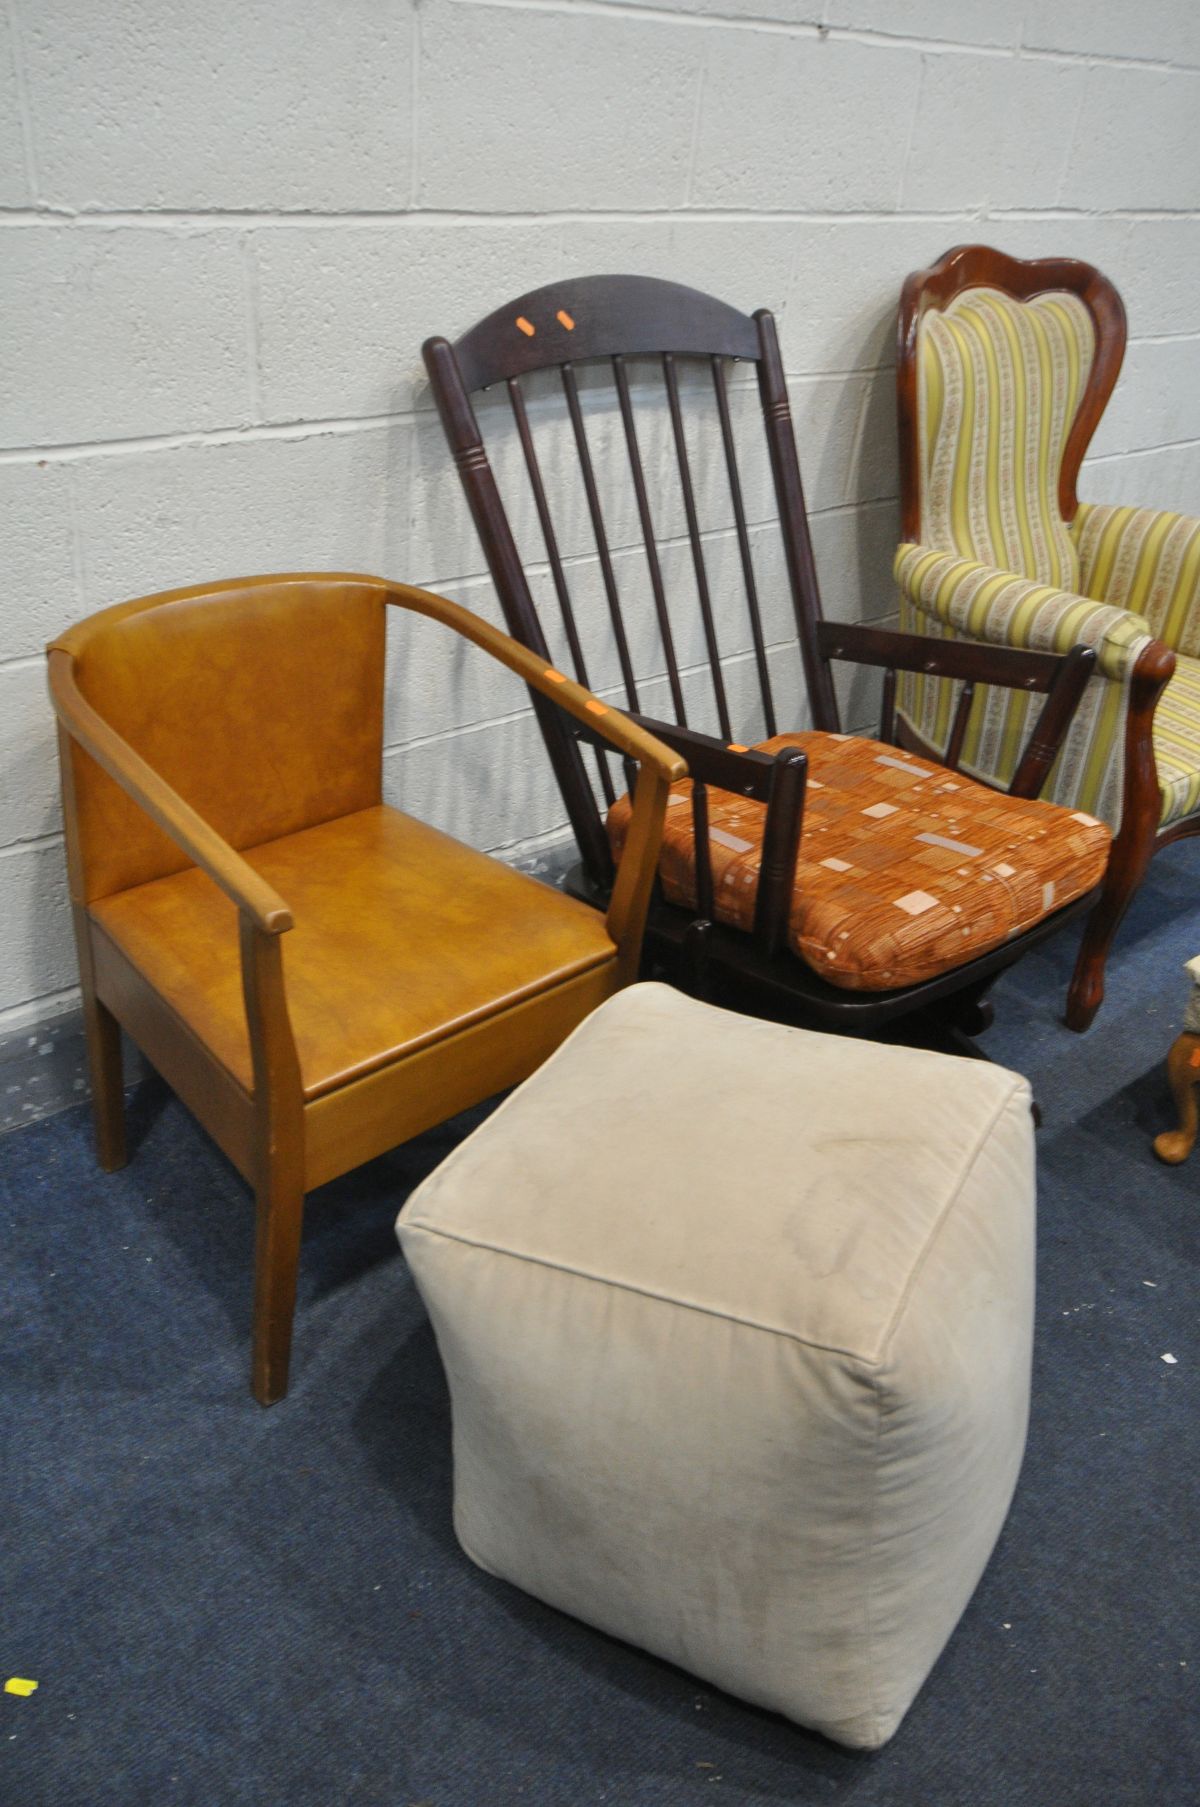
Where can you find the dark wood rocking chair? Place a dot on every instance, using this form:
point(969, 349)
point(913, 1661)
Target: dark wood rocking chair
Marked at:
point(617, 320)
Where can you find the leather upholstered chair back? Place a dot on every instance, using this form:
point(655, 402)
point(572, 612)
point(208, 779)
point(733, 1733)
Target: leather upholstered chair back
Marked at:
point(261, 705)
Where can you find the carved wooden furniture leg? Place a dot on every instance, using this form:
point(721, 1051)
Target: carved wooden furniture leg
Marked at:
point(1183, 1072)
point(1086, 993)
point(1134, 846)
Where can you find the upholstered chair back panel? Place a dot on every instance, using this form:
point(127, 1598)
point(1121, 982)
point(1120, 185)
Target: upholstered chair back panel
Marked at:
point(262, 708)
point(1000, 383)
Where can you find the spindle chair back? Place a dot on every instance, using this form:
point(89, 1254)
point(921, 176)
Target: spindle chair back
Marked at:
point(635, 367)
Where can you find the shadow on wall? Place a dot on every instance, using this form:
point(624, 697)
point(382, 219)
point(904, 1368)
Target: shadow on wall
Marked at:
point(878, 528)
point(39, 945)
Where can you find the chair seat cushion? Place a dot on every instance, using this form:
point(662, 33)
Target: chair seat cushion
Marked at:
point(905, 871)
point(402, 936)
point(1177, 741)
point(737, 1321)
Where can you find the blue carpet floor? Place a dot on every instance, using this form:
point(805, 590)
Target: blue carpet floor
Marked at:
point(223, 1605)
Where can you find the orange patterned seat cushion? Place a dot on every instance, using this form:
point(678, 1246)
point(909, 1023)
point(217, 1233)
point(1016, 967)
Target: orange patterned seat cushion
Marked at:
point(905, 871)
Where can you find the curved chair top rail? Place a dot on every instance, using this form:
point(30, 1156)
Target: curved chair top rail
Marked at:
point(601, 317)
point(77, 638)
point(627, 736)
point(981, 266)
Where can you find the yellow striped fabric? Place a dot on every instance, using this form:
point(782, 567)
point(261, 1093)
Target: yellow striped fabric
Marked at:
point(1145, 560)
point(963, 599)
point(983, 603)
point(1177, 741)
point(999, 385)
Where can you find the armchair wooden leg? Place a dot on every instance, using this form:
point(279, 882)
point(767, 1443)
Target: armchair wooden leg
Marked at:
point(279, 1160)
point(1183, 1072)
point(103, 1036)
point(280, 1202)
point(1126, 870)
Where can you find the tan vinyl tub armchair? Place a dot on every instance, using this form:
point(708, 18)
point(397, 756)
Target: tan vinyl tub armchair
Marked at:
point(1004, 369)
point(317, 975)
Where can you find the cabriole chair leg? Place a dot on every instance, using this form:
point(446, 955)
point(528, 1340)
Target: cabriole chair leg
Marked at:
point(1125, 874)
point(1183, 1072)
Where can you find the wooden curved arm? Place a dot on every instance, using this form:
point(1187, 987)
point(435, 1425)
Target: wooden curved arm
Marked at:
point(620, 732)
point(190, 832)
point(659, 767)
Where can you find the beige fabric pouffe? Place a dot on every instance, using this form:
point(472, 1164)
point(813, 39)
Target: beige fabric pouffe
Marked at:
point(737, 1321)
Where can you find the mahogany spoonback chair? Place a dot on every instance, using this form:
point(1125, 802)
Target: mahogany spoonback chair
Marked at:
point(317, 975)
point(808, 876)
point(1004, 369)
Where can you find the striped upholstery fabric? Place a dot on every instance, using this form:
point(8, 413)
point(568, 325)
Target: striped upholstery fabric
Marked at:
point(1144, 560)
point(972, 601)
point(1177, 741)
point(905, 870)
point(983, 603)
point(999, 384)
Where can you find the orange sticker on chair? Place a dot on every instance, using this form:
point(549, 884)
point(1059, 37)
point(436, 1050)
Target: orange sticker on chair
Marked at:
point(564, 319)
point(597, 708)
point(1194, 1058)
point(526, 326)
point(735, 746)
point(555, 677)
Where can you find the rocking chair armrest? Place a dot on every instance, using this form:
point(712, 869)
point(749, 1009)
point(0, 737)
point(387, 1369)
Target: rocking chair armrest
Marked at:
point(258, 902)
point(607, 723)
point(1062, 677)
point(777, 779)
point(1010, 667)
point(726, 765)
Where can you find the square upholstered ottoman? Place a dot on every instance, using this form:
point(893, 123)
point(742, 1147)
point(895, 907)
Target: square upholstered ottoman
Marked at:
point(737, 1321)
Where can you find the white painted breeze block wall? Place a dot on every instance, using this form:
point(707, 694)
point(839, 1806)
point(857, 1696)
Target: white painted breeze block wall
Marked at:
point(226, 228)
